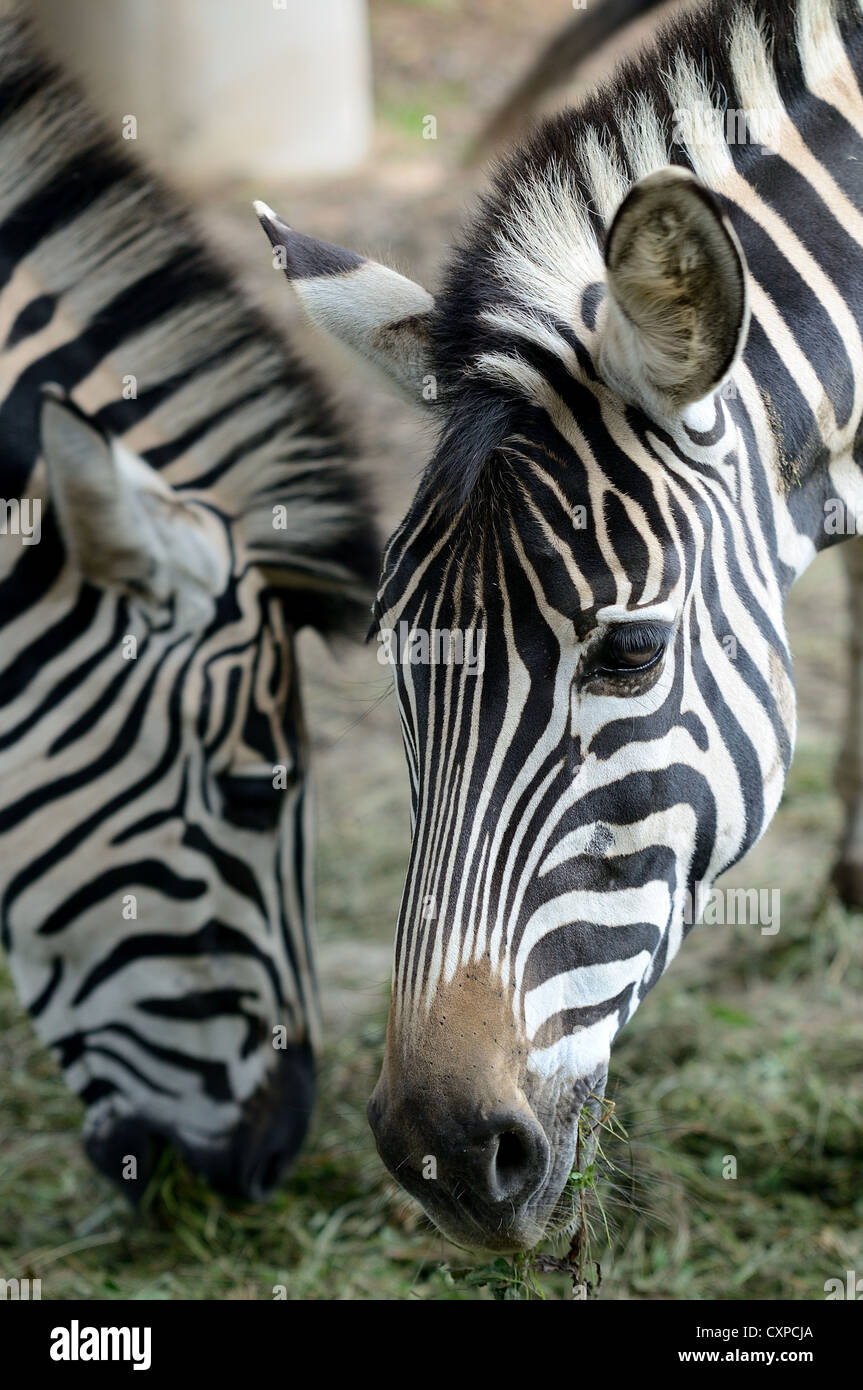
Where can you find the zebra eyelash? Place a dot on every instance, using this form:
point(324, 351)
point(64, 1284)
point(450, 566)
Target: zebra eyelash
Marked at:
point(625, 639)
point(630, 636)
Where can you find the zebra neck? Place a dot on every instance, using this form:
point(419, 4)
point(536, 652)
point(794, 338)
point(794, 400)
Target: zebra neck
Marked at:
point(797, 206)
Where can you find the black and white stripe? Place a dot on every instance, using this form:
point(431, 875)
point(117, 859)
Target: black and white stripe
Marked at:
point(648, 365)
point(177, 430)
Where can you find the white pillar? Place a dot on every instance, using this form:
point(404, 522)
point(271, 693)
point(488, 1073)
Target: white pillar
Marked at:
point(249, 88)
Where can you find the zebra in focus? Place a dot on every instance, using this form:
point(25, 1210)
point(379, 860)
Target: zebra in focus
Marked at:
point(178, 502)
point(647, 360)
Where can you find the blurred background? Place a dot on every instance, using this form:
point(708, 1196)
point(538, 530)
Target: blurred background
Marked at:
point(353, 120)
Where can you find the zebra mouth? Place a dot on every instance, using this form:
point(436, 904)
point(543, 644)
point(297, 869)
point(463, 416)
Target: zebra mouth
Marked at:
point(505, 1228)
point(490, 1177)
point(501, 1193)
point(246, 1162)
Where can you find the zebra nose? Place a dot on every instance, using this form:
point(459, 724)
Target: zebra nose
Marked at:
point(504, 1160)
point(479, 1163)
point(247, 1161)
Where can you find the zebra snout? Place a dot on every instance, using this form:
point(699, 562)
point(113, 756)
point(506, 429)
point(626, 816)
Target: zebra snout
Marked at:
point(242, 1168)
point(477, 1174)
point(246, 1160)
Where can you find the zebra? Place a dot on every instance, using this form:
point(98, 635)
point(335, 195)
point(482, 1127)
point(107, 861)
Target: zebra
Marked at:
point(584, 32)
point(647, 370)
point(179, 499)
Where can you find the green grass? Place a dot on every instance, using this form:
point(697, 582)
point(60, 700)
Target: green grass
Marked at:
point(339, 1229)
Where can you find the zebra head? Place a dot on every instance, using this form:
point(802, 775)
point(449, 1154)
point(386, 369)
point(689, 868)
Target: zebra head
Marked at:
point(156, 893)
point(584, 611)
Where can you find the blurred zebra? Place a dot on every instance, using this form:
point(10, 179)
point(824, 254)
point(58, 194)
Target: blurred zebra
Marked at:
point(591, 26)
point(177, 501)
point(648, 365)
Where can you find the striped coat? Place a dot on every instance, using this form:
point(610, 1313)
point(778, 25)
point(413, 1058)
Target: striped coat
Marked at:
point(178, 500)
point(647, 366)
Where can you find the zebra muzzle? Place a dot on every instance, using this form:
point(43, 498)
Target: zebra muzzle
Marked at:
point(476, 1167)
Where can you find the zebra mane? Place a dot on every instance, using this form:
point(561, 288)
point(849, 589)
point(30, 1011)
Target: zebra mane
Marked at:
point(223, 406)
point(529, 268)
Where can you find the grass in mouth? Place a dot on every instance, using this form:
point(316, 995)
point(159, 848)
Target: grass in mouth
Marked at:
point(580, 1217)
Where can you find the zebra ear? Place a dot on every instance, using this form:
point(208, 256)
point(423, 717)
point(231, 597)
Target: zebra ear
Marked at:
point(122, 525)
point(372, 310)
point(678, 306)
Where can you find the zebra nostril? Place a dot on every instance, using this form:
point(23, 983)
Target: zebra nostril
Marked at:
point(511, 1159)
point(510, 1163)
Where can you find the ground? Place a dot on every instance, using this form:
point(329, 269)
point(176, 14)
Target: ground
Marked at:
point(748, 1049)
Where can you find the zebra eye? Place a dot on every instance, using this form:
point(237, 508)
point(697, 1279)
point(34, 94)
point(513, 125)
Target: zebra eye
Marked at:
point(251, 802)
point(631, 647)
